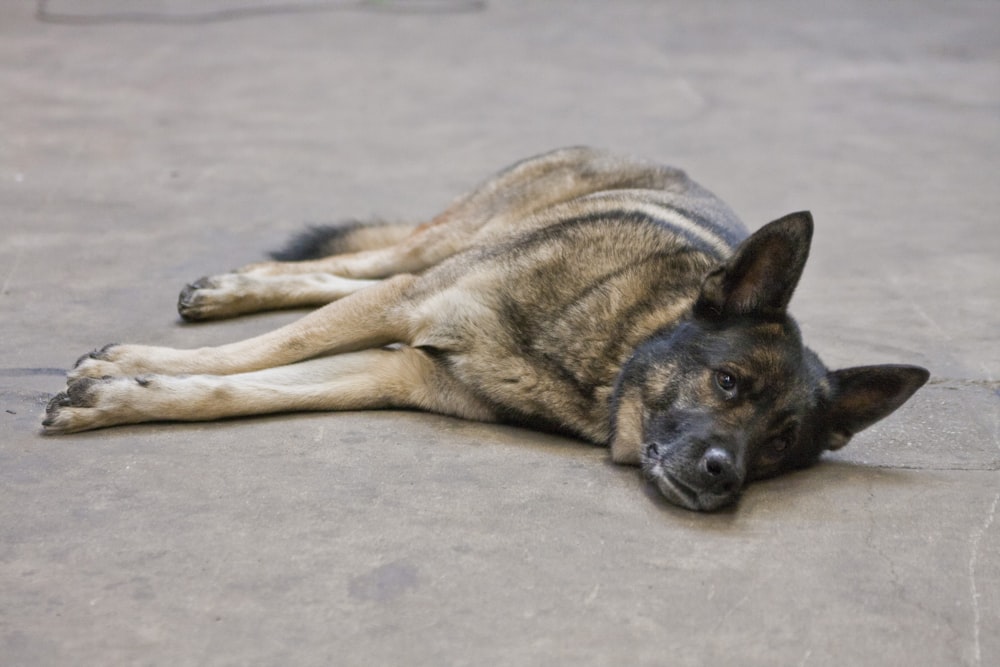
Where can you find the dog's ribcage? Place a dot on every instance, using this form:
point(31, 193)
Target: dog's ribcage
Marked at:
point(542, 314)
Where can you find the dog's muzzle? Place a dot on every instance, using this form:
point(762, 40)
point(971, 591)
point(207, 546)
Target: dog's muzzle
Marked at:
point(706, 482)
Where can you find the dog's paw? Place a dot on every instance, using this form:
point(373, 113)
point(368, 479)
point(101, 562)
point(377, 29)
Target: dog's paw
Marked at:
point(97, 364)
point(117, 360)
point(57, 415)
point(195, 302)
point(76, 409)
point(217, 297)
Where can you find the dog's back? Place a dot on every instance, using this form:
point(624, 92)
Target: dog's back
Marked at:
point(594, 182)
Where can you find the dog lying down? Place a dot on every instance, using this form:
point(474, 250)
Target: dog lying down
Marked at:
point(581, 292)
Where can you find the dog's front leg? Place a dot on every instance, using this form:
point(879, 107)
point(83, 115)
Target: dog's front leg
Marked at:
point(368, 318)
point(382, 378)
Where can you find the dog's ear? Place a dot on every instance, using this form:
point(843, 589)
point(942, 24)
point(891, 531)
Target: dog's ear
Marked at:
point(866, 394)
point(762, 274)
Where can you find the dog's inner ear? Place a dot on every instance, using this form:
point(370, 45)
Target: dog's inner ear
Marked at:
point(761, 276)
point(866, 394)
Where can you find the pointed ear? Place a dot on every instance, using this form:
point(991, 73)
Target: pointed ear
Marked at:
point(762, 274)
point(866, 394)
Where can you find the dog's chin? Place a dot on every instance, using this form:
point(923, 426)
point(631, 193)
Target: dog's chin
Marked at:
point(676, 491)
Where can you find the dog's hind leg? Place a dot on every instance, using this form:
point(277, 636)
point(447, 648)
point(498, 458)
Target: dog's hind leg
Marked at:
point(497, 208)
point(232, 294)
point(288, 284)
point(382, 378)
point(426, 246)
point(500, 203)
point(372, 317)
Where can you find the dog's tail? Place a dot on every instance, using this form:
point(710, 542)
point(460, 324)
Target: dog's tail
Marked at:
point(319, 241)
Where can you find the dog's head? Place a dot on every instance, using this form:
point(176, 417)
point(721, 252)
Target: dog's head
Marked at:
point(731, 394)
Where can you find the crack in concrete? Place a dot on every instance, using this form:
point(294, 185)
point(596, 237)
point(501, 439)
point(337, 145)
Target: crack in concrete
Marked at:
point(885, 556)
point(263, 10)
point(988, 382)
point(11, 271)
point(974, 540)
point(996, 412)
point(900, 588)
point(993, 467)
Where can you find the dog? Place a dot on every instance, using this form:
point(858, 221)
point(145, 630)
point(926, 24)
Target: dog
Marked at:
point(606, 298)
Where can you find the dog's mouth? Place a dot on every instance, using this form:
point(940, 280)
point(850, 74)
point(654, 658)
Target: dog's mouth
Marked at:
point(673, 489)
point(656, 466)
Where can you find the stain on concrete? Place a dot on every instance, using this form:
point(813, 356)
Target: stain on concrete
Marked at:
point(385, 583)
point(22, 372)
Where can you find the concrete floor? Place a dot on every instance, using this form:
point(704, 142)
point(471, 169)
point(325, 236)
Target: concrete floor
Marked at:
point(136, 156)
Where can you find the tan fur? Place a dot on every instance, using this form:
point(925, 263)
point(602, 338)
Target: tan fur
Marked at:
point(387, 295)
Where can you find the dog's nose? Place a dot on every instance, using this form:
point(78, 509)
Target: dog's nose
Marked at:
point(719, 471)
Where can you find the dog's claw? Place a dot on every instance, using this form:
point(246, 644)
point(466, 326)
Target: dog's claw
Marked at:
point(96, 364)
point(98, 355)
point(60, 400)
point(55, 419)
point(78, 392)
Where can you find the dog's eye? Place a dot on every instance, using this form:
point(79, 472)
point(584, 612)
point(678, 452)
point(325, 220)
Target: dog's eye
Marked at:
point(726, 381)
point(774, 451)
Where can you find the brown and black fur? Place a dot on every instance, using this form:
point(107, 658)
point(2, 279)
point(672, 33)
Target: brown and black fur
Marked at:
point(607, 298)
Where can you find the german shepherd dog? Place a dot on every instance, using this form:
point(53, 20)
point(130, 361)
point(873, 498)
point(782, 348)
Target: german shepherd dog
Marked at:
point(606, 298)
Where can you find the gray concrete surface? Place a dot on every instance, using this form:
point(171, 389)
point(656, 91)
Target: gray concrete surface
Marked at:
point(137, 156)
